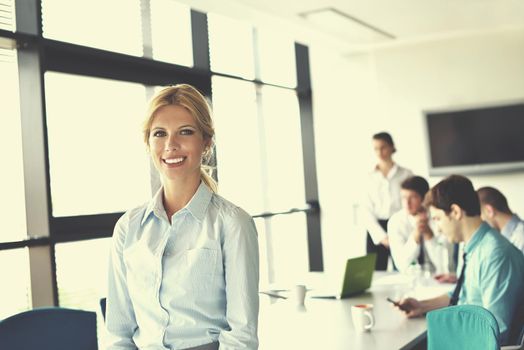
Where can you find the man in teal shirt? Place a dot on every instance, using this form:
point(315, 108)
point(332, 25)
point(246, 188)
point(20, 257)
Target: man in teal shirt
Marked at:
point(493, 272)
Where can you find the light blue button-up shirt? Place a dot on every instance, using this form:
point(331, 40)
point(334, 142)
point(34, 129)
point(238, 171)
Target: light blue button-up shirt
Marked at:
point(494, 276)
point(184, 284)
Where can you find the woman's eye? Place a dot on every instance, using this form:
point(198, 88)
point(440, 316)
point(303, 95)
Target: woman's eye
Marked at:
point(159, 133)
point(186, 132)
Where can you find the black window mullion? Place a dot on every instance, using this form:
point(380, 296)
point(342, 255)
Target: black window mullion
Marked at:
point(35, 151)
point(81, 60)
point(95, 226)
point(316, 262)
point(31, 242)
point(29, 17)
point(200, 39)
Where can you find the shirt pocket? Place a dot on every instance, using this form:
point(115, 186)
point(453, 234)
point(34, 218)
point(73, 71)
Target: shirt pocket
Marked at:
point(201, 267)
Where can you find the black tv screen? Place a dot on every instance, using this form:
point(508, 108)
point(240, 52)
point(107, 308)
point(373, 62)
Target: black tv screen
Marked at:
point(476, 140)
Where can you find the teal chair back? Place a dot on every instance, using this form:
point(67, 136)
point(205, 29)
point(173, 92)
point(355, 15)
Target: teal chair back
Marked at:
point(49, 329)
point(462, 327)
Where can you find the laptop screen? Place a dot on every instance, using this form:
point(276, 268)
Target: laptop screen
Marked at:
point(358, 274)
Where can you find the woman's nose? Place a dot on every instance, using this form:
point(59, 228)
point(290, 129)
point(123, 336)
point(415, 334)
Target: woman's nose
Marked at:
point(172, 144)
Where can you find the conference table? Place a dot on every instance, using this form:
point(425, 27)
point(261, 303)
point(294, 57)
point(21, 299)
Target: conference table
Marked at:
point(327, 323)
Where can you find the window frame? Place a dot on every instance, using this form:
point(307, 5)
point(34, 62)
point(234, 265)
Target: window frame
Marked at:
point(37, 55)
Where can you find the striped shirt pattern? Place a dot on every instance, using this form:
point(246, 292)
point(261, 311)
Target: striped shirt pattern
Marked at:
point(184, 284)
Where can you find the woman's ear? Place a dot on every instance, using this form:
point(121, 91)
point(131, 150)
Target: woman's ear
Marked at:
point(207, 145)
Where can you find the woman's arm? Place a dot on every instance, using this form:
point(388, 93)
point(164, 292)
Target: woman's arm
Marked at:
point(120, 317)
point(241, 269)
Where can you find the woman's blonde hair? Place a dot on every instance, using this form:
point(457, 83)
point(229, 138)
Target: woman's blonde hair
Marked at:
point(191, 99)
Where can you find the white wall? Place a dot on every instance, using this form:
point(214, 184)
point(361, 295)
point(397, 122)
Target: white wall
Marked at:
point(387, 89)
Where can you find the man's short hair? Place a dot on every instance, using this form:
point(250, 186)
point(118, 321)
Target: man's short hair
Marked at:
point(417, 184)
point(454, 189)
point(493, 197)
point(386, 137)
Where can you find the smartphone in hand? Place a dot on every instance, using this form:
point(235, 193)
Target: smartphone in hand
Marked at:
point(396, 303)
point(392, 301)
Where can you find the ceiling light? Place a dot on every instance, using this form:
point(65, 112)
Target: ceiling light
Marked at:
point(341, 24)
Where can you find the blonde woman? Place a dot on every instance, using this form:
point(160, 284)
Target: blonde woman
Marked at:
point(183, 270)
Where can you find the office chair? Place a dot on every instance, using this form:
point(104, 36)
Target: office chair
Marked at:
point(519, 341)
point(516, 333)
point(103, 307)
point(462, 327)
point(49, 329)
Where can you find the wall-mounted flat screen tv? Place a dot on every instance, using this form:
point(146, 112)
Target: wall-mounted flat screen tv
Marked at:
point(478, 140)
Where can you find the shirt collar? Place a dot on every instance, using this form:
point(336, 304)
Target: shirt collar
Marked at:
point(510, 226)
point(391, 172)
point(477, 237)
point(155, 206)
point(197, 206)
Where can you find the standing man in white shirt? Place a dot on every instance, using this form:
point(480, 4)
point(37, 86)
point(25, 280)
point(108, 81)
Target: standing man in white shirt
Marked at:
point(383, 197)
point(412, 236)
point(495, 211)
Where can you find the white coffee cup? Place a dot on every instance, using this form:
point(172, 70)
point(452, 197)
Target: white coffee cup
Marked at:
point(362, 315)
point(299, 294)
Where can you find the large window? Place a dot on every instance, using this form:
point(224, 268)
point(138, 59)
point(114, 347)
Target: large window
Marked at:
point(97, 157)
point(171, 32)
point(235, 60)
point(259, 141)
point(7, 15)
point(264, 245)
point(238, 143)
point(82, 278)
point(260, 167)
point(109, 25)
point(259, 145)
point(16, 287)
point(289, 248)
point(283, 144)
point(276, 57)
point(73, 150)
point(12, 205)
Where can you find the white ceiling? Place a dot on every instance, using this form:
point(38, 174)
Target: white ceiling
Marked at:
point(404, 19)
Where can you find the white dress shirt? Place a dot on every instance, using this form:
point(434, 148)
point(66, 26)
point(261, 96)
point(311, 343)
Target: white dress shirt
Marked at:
point(514, 232)
point(383, 199)
point(184, 284)
point(438, 252)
